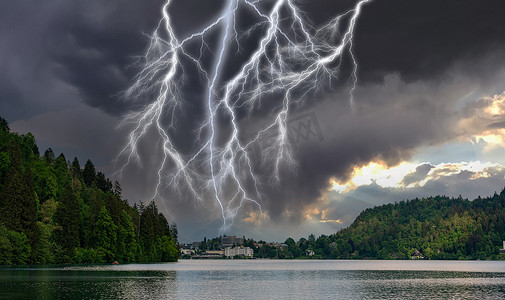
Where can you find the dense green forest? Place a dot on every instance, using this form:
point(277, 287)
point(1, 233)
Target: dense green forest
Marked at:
point(432, 228)
point(54, 211)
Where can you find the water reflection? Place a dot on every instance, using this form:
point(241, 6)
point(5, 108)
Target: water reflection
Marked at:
point(71, 284)
point(258, 279)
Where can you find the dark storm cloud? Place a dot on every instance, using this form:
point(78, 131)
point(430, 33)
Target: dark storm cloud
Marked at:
point(418, 39)
point(422, 39)
point(27, 86)
point(57, 53)
point(90, 44)
point(97, 44)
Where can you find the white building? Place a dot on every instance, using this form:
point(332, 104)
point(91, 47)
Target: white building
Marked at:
point(241, 251)
point(187, 252)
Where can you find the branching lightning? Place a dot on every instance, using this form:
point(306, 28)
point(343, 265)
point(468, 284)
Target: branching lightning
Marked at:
point(292, 59)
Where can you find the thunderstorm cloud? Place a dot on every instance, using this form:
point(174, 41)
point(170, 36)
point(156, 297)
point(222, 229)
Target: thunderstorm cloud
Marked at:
point(431, 80)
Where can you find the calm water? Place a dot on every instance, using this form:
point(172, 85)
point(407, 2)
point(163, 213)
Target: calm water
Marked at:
point(260, 279)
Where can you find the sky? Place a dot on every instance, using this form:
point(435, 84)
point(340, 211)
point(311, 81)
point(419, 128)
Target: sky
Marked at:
point(428, 115)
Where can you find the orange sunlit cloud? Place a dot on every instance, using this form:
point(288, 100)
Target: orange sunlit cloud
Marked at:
point(394, 177)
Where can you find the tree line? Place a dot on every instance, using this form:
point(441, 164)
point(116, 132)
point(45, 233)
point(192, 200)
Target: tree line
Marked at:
point(430, 228)
point(55, 211)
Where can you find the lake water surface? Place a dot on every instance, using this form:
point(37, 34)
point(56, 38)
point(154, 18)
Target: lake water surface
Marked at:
point(260, 279)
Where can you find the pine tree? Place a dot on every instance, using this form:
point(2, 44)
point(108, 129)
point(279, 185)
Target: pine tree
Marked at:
point(103, 183)
point(4, 125)
point(67, 218)
point(30, 207)
point(62, 172)
point(106, 238)
point(126, 238)
point(117, 190)
point(76, 169)
point(148, 231)
point(18, 201)
point(49, 156)
point(13, 194)
point(28, 147)
point(89, 173)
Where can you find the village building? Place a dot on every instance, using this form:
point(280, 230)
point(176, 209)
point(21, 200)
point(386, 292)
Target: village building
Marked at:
point(187, 252)
point(230, 241)
point(238, 251)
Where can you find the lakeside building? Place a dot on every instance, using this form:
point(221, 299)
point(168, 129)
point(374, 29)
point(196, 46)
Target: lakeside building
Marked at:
point(210, 254)
point(240, 251)
point(187, 252)
point(232, 240)
point(417, 255)
point(185, 246)
point(502, 251)
point(215, 252)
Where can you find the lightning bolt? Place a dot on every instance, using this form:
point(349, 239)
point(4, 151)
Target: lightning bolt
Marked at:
point(293, 59)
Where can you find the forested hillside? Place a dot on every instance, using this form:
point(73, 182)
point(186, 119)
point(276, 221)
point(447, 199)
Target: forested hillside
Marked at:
point(437, 227)
point(432, 228)
point(54, 211)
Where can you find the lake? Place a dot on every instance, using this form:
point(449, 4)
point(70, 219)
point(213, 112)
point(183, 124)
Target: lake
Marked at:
point(259, 279)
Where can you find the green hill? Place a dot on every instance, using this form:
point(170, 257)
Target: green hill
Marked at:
point(54, 211)
point(434, 228)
